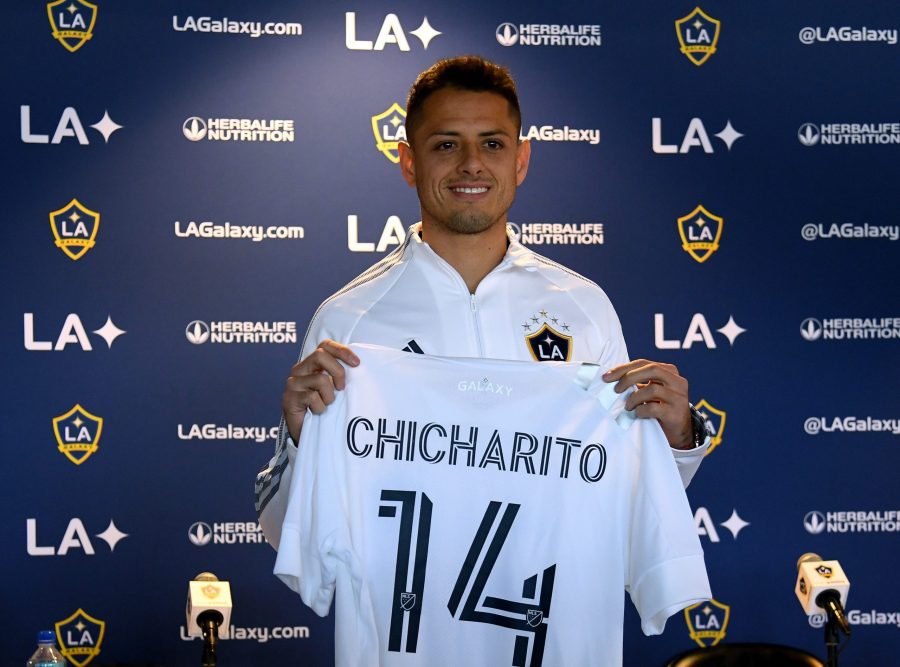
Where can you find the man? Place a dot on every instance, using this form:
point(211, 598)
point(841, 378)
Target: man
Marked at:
point(462, 285)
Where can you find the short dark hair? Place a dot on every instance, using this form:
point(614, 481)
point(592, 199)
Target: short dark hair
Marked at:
point(472, 73)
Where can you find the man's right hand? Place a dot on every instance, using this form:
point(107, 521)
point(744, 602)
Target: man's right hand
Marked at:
point(312, 383)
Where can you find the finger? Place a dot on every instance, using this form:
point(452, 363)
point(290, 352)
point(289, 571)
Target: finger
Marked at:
point(316, 402)
point(656, 374)
point(617, 372)
point(318, 362)
point(650, 410)
point(652, 372)
point(297, 390)
point(340, 351)
point(657, 393)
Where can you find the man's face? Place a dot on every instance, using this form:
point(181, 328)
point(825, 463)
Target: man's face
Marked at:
point(465, 160)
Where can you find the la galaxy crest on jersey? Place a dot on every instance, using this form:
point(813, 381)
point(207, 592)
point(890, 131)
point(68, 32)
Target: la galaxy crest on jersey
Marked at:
point(547, 337)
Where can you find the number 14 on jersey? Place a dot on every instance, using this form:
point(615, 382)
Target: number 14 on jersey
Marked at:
point(527, 617)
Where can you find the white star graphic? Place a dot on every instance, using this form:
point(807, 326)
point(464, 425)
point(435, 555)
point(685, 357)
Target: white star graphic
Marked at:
point(109, 332)
point(106, 126)
point(112, 535)
point(735, 524)
point(731, 330)
point(77, 422)
point(729, 135)
point(425, 32)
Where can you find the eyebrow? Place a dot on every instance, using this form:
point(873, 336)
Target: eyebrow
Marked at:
point(451, 133)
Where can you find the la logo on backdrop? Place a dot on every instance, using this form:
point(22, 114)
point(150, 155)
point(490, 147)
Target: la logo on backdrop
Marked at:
point(698, 34)
point(390, 129)
point(72, 22)
point(707, 622)
point(715, 419)
point(700, 233)
point(80, 636)
point(77, 434)
point(74, 228)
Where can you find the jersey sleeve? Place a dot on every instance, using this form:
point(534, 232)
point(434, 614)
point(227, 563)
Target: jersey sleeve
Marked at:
point(313, 522)
point(273, 482)
point(666, 571)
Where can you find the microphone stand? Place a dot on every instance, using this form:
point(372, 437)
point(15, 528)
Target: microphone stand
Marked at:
point(836, 621)
point(832, 636)
point(209, 623)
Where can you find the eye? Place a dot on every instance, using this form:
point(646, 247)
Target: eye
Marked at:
point(444, 146)
point(493, 144)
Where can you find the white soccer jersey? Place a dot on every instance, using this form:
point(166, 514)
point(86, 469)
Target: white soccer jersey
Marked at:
point(527, 308)
point(481, 512)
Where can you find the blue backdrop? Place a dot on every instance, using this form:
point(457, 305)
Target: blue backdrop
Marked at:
point(188, 180)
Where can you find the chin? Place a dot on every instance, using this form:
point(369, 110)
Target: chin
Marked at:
point(470, 223)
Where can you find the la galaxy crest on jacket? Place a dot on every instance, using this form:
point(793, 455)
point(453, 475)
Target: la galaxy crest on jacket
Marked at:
point(482, 512)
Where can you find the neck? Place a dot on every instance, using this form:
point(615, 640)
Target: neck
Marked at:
point(472, 255)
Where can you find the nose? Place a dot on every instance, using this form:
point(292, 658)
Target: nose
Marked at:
point(470, 162)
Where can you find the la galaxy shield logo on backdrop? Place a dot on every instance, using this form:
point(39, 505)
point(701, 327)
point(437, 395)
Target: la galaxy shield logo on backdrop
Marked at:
point(707, 622)
point(72, 22)
point(698, 34)
point(75, 228)
point(80, 636)
point(546, 343)
point(78, 434)
point(700, 233)
point(716, 420)
point(390, 129)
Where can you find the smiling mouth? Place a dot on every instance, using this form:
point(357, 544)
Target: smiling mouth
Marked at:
point(469, 190)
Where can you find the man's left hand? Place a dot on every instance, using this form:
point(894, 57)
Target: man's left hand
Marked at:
point(661, 393)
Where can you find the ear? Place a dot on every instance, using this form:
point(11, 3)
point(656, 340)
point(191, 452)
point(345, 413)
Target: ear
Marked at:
point(523, 156)
point(407, 163)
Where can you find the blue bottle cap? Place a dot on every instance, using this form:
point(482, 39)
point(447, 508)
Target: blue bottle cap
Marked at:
point(45, 636)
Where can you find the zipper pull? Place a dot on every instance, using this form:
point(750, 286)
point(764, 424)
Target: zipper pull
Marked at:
point(472, 302)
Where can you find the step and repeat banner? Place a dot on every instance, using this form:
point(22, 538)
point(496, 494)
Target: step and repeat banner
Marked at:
point(187, 181)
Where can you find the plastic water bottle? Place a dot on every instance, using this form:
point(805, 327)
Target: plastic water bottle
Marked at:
point(47, 655)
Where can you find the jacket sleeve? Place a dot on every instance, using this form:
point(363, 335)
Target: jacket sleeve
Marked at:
point(273, 482)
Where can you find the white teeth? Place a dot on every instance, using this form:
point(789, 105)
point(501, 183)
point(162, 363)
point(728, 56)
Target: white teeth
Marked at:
point(470, 191)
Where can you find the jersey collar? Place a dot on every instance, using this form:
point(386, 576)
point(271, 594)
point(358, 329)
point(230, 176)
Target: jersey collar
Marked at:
point(516, 254)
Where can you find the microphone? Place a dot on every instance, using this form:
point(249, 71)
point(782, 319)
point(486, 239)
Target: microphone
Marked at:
point(208, 609)
point(822, 585)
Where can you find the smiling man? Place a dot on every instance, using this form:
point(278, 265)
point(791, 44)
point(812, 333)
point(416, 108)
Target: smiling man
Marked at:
point(462, 285)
